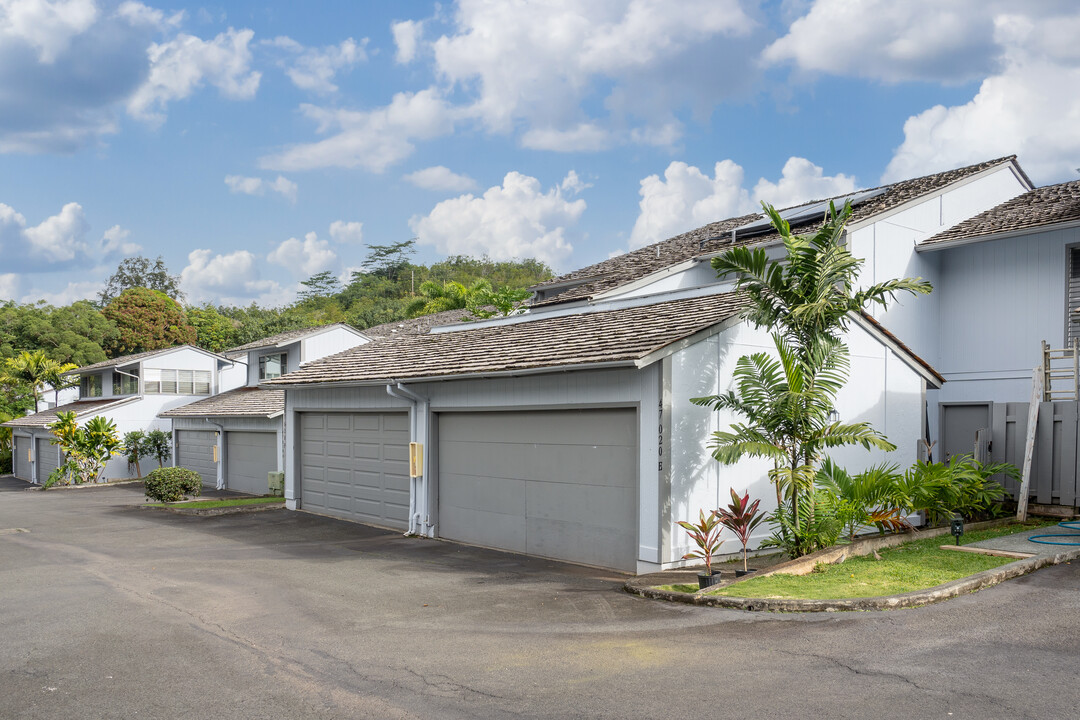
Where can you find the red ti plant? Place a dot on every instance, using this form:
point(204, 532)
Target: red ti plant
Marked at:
point(706, 533)
point(741, 517)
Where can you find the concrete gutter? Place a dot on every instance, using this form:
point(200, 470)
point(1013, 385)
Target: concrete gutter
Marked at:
point(915, 598)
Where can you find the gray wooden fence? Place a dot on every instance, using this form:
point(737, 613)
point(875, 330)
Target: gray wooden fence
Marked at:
point(1056, 465)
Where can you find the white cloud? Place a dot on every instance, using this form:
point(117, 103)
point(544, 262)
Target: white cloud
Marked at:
point(138, 14)
point(115, 242)
point(347, 232)
point(406, 38)
point(257, 186)
point(440, 178)
point(81, 290)
point(9, 286)
point(313, 69)
point(48, 27)
point(584, 137)
point(686, 198)
point(540, 62)
point(185, 63)
point(58, 241)
point(1024, 109)
point(572, 184)
point(304, 258)
point(372, 139)
point(893, 41)
point(231, 279)
point(515, 220)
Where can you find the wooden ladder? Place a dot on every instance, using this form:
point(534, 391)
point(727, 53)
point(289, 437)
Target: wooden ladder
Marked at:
point(1061, 372)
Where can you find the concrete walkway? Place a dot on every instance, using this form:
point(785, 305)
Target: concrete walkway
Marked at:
point(1019, 542)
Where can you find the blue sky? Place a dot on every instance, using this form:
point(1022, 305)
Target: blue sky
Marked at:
point(252, 144)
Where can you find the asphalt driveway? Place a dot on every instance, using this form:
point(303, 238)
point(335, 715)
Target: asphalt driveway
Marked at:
point(114, 612)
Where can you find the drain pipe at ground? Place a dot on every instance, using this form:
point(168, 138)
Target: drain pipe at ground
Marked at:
point(220, 452)
point(419, 523)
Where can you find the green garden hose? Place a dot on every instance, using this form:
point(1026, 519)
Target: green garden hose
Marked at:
point(1068, 525)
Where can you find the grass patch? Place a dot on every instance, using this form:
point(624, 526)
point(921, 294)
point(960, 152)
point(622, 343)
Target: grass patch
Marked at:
point(912, 566)
point(200, 504)
point(680, 588)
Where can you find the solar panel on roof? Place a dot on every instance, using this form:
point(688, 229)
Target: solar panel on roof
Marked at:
point(802, 213)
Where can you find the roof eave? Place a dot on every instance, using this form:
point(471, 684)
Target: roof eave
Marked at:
point(927, 246)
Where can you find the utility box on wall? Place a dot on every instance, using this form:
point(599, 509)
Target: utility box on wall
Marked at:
point(276, 483)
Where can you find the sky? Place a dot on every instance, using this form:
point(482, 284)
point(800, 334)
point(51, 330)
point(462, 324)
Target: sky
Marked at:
point(254, 144)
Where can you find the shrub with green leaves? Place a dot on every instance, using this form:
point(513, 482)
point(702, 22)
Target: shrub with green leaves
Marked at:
point(158, 445)
point(169, 484)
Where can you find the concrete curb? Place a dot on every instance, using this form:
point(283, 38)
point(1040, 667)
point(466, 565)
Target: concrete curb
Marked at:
point(916, 598)
point(234, 510)
point(84, 486)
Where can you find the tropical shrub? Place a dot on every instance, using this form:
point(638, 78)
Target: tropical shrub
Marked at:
point(804, 524)
point(871, 497)
point(706, 535)
point(787, 402)
point(169, 484)
point(741, 517)
point(86, 449)
point(158, 445)
point(134, 447)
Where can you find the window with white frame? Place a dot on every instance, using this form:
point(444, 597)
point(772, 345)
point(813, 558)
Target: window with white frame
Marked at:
point(125, 382)
point(176, 382)
point(272, 366)
point(90, 386)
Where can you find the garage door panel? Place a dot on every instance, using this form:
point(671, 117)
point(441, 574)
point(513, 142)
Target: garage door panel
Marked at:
point(580, 543)
point(195, 451)
point(574, 427)
point(482, 493)
point(364, 460)
point(489, 529)
point(22, 464)
point(46, 457)
point(251, 456)
point(559, 484)
point(590, 504)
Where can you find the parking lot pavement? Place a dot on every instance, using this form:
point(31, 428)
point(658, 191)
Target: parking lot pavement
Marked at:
point(112, 611)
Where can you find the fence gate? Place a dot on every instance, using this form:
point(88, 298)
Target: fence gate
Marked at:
point(1055, 463)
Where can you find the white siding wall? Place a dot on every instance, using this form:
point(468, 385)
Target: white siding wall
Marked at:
point(999, 299)
point(328, 343)
point(888, 247)
point(141, 414)
point(883, 390)
point(232, 376)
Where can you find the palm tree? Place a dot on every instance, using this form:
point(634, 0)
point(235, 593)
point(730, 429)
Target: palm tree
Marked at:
point(56, 376)
point(28, 369)
point(788, 402)
point(452, 295)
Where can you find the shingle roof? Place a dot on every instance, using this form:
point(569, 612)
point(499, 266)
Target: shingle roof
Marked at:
point(123, 360)
point(712, 238)
point(1036, 208)
point(418, 325)
point(242, 402)
point(79, 407)
point(285, 337)
point(622, 335)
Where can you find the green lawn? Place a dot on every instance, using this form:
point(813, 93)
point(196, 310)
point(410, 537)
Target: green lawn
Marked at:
point(911, 566)
point(221, 503)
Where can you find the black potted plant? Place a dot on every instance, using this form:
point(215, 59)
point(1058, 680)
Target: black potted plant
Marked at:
point(741, 517)
point(706, 533)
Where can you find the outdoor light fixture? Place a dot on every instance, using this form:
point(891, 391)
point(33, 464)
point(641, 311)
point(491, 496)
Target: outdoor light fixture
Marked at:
point(958, 528)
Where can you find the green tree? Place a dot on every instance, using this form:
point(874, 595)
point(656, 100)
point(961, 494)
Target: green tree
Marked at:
point(213, 331)
point(452, 295)
point(788, 401)
point(158, 445)
point(496, 303)
point(319, 285)
point(33, 370)
point(140, 272)
point(86, 449)
point(388, 261)
point(147, 320)
point(135, 447)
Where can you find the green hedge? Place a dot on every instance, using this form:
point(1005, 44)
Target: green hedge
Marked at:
point(169, 484)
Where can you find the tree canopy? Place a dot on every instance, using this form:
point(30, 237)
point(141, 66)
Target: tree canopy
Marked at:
point(140, 272)
point(147, 320)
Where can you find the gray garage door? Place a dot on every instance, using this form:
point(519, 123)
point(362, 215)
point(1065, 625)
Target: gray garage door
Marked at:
point(555, 484)
point(46, 459)
point(250, 456)
point(195, 451)
point(356, 466)
point(21, 462)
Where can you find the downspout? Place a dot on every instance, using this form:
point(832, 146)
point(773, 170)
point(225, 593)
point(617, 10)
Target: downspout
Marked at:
point(419, 518)
point(220, 452)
